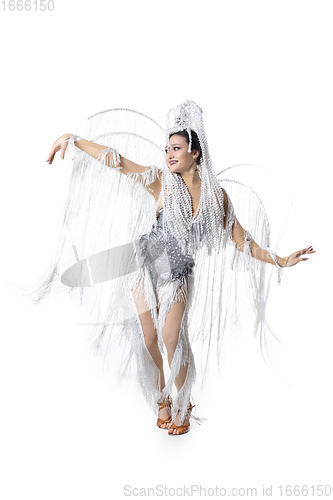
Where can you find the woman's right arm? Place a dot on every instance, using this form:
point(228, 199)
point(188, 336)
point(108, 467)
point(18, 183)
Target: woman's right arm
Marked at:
point(96, 151)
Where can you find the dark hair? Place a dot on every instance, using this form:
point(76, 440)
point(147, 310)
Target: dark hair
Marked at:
point(195, 141)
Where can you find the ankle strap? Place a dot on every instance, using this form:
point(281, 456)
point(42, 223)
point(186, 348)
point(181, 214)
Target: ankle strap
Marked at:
point(165, 403)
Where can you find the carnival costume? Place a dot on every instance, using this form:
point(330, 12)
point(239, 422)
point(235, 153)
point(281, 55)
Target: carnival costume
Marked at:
point(113, 241)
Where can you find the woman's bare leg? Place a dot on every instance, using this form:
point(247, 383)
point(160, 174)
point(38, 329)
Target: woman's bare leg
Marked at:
point(150, 337)
point(170, 335)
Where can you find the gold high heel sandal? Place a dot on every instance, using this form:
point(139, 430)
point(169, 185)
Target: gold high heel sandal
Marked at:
point(182, 429)
point(167, 403)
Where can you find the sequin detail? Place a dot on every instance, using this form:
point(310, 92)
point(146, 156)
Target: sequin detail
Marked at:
point(165, 258)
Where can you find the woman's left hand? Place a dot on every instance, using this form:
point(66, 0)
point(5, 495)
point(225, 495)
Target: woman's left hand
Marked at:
point(295, 257)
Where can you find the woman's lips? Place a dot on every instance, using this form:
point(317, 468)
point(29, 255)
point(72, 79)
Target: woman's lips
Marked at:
point(173, 162)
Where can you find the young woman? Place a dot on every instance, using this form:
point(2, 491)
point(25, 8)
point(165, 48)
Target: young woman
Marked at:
point(174, 281)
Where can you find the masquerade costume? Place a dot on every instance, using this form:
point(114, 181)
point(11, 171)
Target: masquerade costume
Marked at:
point(116, 243)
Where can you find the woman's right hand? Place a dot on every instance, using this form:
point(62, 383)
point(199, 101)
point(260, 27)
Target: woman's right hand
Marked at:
point(61, 144)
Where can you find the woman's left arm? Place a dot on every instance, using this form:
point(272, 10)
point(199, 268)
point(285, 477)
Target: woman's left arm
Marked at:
point(241, 237)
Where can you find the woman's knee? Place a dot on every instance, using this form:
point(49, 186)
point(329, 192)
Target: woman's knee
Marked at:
point(148, 328)
point(150, 340)
point(170, 338)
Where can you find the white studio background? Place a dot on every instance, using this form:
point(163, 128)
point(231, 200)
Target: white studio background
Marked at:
point(261, 71)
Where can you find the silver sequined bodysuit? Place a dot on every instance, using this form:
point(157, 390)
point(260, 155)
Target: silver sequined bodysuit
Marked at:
point(162, 254)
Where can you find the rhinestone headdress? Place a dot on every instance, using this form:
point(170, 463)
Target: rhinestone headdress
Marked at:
point(188, 116)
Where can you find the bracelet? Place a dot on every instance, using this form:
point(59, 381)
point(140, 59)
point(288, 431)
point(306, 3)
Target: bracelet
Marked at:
point(73, 138)
point(70, 145)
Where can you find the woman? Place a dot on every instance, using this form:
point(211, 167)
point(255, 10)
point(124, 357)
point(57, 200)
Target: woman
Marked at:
point(194, 223)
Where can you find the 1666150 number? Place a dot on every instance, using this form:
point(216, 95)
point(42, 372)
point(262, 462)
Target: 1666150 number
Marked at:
point(27, 5)
point(318, 490)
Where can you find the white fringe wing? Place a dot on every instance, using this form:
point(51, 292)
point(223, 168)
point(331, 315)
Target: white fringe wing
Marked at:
point(108, 211)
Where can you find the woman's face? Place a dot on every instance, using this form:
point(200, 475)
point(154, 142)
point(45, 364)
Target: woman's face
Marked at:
point(177, 157)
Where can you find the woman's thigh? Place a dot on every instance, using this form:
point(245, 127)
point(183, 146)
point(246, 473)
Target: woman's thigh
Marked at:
point(144, 313)
point(174, 317)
